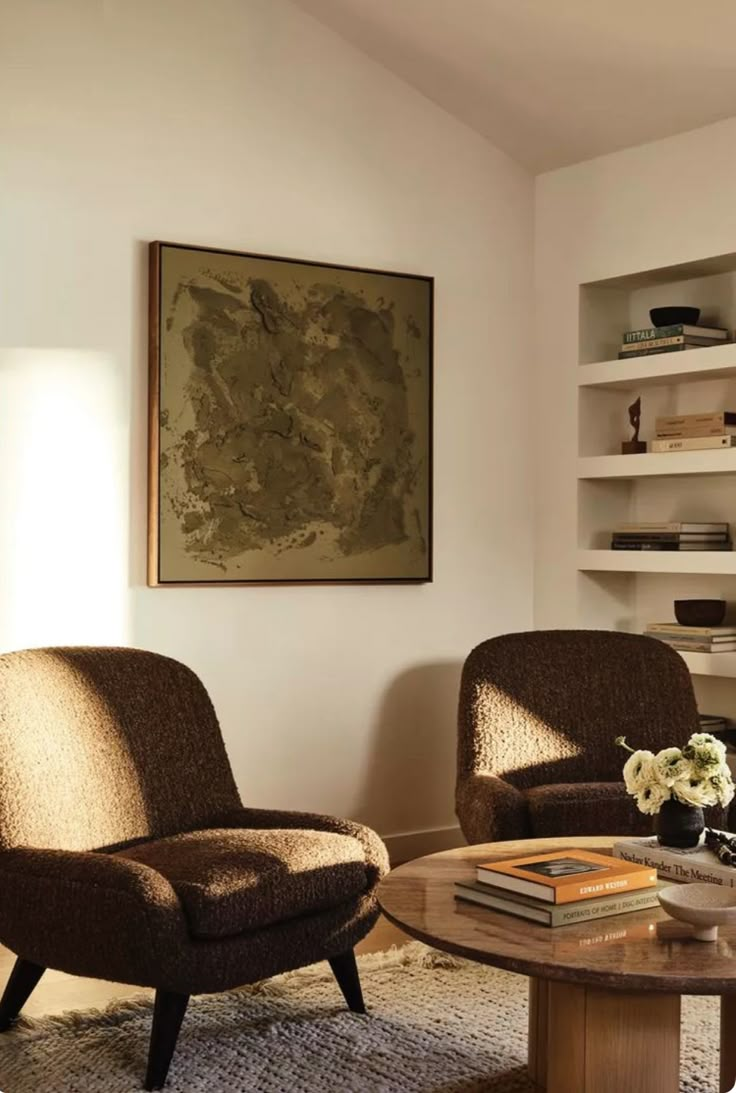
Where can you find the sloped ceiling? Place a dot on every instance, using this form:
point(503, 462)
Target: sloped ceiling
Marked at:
point(553, 82)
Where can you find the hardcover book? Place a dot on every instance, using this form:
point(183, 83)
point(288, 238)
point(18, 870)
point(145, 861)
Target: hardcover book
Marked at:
point(692, 443)
point(565, 877)
point(697, 646)
point(647, 333)
point(713, 722)
point(695, 431)
point(672, 526)
point(668, 432)
point(656, 343)
point(671, 536)
point(691, 421)
point(565, 914)
point(636, 352)
point(692, 631)
point(617, 544)
point(700, 864)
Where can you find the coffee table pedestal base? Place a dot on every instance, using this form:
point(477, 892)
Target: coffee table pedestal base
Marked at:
point(728, 1042)
point(586, 1040)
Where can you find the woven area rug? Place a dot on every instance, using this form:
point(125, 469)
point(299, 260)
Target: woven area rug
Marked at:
point(436, 1025)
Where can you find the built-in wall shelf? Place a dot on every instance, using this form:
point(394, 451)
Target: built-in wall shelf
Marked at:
point(655, 464)
point(709, 362)
point(625, 590)
point(718, 562)
point(710, 664)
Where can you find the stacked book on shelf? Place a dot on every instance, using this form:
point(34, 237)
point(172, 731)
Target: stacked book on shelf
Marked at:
point(670, 339)
point(717, 724)
point(698, 864)
point(672, 535)
point(562, 888)
point(694, 432)
point(694, 639)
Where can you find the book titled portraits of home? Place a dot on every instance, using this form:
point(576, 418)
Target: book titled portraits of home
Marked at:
point(290, 420)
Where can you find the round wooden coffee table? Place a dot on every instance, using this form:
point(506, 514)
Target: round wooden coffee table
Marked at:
point(604, 1013)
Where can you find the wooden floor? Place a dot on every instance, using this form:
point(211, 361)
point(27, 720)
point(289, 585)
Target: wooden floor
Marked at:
point(58, 992)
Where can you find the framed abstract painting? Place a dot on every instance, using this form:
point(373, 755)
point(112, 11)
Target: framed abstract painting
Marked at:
point(290, 420)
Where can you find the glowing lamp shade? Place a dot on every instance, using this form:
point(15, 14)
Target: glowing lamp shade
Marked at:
point(63, 499)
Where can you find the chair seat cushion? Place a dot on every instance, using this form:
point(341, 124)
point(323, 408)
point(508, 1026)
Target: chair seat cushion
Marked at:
point(584, 808)
point(233, 880)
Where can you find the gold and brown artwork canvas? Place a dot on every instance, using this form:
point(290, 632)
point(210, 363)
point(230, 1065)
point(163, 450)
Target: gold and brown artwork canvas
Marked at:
point(290, 420)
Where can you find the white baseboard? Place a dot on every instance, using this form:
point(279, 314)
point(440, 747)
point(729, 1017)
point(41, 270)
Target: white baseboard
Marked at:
point(415, 844)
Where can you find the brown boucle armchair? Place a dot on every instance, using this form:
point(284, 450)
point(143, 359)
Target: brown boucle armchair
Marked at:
point(126, 854)
point(538, 716)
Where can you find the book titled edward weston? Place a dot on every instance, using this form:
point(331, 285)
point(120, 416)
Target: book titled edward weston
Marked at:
point(564, 914)
point(566, 877)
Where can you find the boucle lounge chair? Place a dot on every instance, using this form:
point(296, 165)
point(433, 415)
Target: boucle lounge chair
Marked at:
point(126, 854)
point(539, 713)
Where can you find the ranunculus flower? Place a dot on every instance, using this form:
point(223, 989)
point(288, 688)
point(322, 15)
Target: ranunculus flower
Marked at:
point(638, 771)
point(706, 739)
point(670, 766)
point(705, 752)
point(695, 791)
point(724, 788)
point(652, 797)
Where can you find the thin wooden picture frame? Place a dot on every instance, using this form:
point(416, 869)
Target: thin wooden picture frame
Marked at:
point(297, 395)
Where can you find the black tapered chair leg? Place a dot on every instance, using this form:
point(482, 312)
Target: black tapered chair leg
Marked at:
point(18, 990)
point(168, 1014)
point(345, 970)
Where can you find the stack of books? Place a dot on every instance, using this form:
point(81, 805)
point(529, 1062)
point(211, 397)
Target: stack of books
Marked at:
point(670, 339)
point(562, 888)
point(692, 432)
point(716, 723)
point(672, 535)
point(698, 864)
point(694, 639)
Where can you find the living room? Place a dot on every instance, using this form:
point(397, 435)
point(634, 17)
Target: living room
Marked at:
point(542, 178)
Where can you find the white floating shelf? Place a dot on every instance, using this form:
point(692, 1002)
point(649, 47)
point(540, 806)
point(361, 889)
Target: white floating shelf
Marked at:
point(649, 464)
point(710, 664)
point(708, 362)
point(658, 561)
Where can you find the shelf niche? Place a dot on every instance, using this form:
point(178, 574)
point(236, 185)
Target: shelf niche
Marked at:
point(625, 590)
point(611, 306)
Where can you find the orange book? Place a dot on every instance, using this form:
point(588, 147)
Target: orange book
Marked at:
point(566, 876)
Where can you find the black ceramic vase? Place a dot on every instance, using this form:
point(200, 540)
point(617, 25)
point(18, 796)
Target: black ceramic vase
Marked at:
point(679, 825)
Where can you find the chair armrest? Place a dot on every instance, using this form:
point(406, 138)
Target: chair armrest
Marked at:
point(376, 855)
point(88, 914)
point(491, 810)
point(92, 871)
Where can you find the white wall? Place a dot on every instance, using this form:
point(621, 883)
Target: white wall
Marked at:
point(245, 124)
point(656, 205)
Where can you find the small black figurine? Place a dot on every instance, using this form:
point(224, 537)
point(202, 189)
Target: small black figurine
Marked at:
point(633, 446)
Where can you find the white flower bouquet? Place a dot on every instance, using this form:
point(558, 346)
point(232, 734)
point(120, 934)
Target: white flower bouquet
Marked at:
point(696, 775)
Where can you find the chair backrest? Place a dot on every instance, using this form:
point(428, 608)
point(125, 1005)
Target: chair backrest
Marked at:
point(102, 747)
point(545, 706)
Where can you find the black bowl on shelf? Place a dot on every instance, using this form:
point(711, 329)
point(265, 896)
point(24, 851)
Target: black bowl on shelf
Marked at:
point(672, 316)
point(700, 612)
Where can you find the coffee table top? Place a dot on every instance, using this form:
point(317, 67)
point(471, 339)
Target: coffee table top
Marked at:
point(643, 950)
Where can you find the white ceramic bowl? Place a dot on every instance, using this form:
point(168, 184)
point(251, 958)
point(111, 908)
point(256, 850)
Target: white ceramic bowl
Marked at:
point(704, 906)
